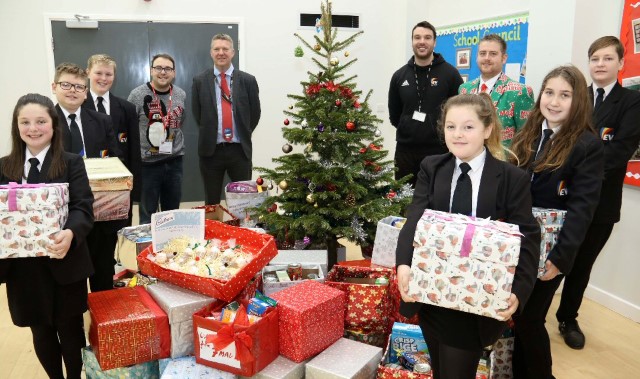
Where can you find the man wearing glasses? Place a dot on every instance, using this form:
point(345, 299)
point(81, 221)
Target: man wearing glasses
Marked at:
point(160, 108)
point(226, 106)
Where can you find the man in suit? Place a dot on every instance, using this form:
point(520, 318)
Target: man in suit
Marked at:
point(513, 100)
point(226, 106)
point(616, 116)
point(89, 134)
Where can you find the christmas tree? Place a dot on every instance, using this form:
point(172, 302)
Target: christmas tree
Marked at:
point(342, 184)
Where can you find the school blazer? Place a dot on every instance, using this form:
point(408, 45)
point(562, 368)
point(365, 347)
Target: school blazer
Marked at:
point(125, 127)
point(246, 110)
point(513, 101)
point(574, 187)
point(76, 265)
point(97, 133)
point(504, 195)
point(617, 121)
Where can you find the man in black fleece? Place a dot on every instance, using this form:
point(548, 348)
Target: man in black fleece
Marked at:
point(416, 94)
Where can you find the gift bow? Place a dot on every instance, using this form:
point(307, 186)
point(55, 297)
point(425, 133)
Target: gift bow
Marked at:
point(227, 335)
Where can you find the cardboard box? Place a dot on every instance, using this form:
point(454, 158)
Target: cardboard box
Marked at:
point(285, 257)
point(30, 216)
point(271, 287)
point(345, 359)
point(239, 203)
point(180, 305)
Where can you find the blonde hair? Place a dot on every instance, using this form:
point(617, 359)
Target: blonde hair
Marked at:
point(483, 106)
point(97, 59)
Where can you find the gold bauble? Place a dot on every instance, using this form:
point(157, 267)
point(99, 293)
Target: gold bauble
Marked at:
point(317, 47)
point(315, 205)
point(334, 61)
point(283, 185)
point(308, 148)
point(311, 199)
point(346, 53)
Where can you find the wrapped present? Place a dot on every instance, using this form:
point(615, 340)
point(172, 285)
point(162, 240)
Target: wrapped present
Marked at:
point(127, 328)
point(368, 302)
point(345, 359)
point(30, 217)
point(269, 286)
point(111, 184)
point(307, 257)
point(187, 368)
point(384, 247)
point(393, 370)
point(261, 247)
point(464, 263)
point(241, 196)
point(311, 319)
point(219, 213)
point(550, 221)
point(131, 241)
point(374, 338)
point(502, 358)
point(238, 347)
point(180, 305)
point(281, 368)
point(147, 370)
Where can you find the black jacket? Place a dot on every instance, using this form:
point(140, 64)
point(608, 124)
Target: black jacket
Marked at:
point(442, 83)
point(574, 187)
point(617, 121)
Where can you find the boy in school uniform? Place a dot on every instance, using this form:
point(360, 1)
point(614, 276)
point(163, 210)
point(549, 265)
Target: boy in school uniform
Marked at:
point(616, 115)
point(89, 134)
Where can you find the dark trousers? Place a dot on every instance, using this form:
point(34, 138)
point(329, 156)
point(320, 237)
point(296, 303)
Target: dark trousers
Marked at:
point(576, 282)
point(161, 183)
point(102, 242)
point(408, 161)
point(62, 341)
point(532, 349)
point(448, 362)
point(228, 158)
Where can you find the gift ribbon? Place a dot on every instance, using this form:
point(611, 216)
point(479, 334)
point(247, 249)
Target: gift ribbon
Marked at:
point(13, 187)
point(227, 334)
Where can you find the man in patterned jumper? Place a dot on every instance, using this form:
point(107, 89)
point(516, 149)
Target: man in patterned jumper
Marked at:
point(513, 100)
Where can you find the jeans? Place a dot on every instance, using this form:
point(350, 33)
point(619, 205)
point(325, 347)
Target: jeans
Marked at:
point(161, 183)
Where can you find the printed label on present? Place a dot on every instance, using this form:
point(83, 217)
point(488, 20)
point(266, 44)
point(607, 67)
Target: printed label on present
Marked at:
point(226, 356)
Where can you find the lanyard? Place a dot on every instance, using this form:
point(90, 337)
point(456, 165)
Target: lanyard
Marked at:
point(423, 89)
point(165, 118)
point(225, 96)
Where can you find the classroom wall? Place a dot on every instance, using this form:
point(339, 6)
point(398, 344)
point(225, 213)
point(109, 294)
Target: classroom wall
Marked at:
point(560, 32)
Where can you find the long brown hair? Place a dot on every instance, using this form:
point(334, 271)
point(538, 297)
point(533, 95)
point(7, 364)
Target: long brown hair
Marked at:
point(578, 122)
point(13, 164)
point(483, 107)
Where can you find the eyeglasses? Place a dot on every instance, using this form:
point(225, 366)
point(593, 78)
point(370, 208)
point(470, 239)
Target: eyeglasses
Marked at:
point(67, 86)
point(159, 69)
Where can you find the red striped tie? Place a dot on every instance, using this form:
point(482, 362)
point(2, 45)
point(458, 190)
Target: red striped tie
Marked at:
point(227, 120)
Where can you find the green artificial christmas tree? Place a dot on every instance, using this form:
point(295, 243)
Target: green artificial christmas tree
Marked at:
point(342, 184)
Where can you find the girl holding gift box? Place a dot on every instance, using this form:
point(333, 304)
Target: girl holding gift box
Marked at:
point(472, 179)
point(49, 294)
point(565, 159)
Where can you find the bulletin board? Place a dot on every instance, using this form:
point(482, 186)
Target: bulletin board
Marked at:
point(458, 44)
point(630, 73)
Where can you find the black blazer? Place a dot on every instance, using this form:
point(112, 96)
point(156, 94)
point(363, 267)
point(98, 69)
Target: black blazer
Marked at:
point(503, 195)
point(574, 187)
point(125, 127)
point(97, 133)
point(76, 265)
point(246, 110)
point(617, 121)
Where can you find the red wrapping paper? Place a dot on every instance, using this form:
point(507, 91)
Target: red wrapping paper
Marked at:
point(261, 246)
point(245, 351)
point(127, 328)
point(311, 319)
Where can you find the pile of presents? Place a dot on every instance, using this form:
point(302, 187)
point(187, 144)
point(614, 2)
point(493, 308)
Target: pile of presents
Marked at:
point(341, 323)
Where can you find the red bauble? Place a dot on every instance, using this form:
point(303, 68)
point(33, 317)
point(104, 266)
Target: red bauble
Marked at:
point(259, 181)
point(338, 103)
point(286, 121)
point(363, 150)
point(356, 104)
point(351, 126)
point(331, 187)
point(391, 195)
point(274, 207)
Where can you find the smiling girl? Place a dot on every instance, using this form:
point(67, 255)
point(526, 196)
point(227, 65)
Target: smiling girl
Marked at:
point(497, 190)
point(565, 159)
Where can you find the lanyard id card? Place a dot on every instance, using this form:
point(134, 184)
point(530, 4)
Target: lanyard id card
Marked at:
point(419, 116)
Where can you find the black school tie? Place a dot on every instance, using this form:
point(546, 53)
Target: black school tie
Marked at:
point(76, 137)
point(599, 99)
point(33, 176)
point(101, 106)
point(461, 202)
point(545, 138)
